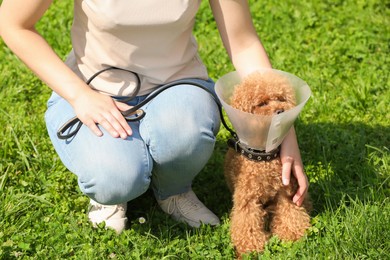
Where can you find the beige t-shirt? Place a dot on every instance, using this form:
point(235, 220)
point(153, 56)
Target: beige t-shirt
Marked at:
point(150, 37)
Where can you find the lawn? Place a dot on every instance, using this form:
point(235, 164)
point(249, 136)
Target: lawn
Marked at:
point(340, 48)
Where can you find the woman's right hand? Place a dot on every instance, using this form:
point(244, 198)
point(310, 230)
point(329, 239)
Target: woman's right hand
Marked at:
point(93, 109)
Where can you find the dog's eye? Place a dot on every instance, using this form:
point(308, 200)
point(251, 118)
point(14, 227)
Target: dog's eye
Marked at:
point(279, 99)
point(262, 104)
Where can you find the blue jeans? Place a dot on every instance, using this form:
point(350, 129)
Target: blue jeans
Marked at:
point(168, 148)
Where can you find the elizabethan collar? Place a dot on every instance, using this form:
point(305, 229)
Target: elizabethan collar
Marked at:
point(258, 131)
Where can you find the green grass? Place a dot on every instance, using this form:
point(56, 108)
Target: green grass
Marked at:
point(341, 48)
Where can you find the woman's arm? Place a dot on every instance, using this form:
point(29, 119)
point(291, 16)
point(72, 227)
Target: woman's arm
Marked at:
point(247, 55)
point(239, 35)
point(17, 28)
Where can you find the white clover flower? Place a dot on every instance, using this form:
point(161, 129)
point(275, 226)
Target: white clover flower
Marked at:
point(142, 220)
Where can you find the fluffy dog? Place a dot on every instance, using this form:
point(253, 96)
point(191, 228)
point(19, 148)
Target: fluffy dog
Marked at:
point(262, 205)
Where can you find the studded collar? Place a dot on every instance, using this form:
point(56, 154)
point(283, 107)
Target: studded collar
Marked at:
point(252, 154)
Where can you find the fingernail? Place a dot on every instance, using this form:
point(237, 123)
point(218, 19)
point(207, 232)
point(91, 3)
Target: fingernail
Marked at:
point(285, 181)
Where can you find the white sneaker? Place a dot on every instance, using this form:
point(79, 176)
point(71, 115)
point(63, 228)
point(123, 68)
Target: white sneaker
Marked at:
point(113, 215)
point(188, 208)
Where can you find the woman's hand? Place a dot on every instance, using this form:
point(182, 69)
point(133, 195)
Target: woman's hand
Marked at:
point(292, 162)
point(93, 108)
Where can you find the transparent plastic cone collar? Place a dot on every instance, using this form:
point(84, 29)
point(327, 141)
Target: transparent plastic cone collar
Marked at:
point(258, 131)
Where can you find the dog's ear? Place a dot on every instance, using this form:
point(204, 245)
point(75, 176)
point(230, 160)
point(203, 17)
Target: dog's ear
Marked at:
point(282, 88)
point(290, 95)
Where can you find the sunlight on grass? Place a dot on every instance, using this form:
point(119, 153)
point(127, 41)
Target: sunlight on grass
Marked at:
point(339, 47)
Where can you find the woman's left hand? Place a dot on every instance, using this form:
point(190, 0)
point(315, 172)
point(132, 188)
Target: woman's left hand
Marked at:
point(292, 162)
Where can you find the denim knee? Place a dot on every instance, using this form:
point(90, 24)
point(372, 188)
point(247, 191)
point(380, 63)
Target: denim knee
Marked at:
point(115, 186)
point(188, 145)
point(109, 170)
point(180, 123)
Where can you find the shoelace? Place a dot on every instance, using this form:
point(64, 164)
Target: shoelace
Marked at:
point(186, 206)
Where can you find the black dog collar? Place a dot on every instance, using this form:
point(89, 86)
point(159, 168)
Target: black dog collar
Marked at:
point(252, 154)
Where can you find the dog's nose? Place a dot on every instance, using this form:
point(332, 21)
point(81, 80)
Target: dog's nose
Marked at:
point(279, 111)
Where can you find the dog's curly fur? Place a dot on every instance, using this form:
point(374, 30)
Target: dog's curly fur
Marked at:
point(262, 205)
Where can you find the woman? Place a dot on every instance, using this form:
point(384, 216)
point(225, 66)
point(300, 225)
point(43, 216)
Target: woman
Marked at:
point(116, 160)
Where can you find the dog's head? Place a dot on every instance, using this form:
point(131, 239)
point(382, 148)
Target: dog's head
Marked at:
point(263, 94)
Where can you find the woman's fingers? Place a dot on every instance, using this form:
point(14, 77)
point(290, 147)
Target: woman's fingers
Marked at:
point(292, 163)
point(303, 184)
point(123, 123)
point(93, 127)
point(289, 165)
point(114, 122)
point(95, 109)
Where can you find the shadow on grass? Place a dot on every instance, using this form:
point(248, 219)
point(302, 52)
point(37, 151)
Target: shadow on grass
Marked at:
point(344, 160)
point(341, 160)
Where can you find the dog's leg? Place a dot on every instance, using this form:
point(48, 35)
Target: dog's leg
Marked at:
point(231, 167)
point(247, 223)
point(289, 222)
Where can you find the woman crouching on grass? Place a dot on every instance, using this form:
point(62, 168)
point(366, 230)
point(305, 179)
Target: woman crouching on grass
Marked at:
point(115, 160)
